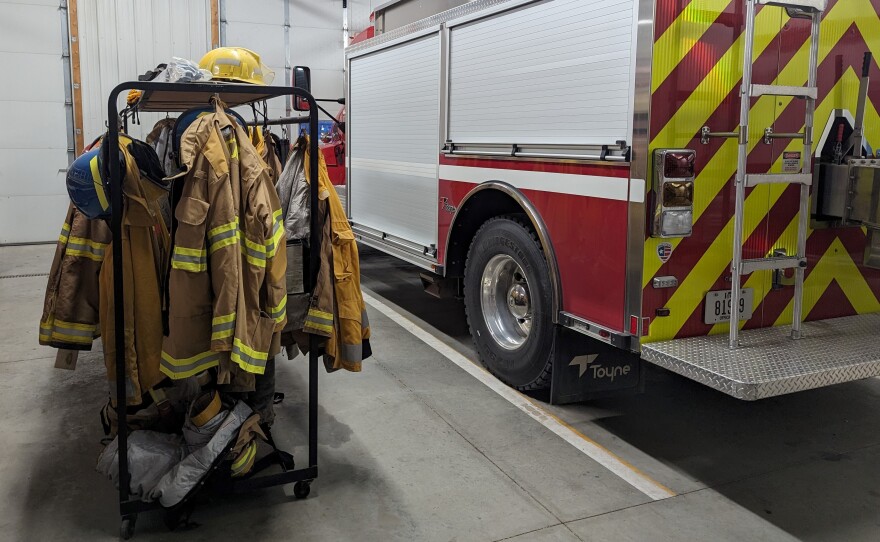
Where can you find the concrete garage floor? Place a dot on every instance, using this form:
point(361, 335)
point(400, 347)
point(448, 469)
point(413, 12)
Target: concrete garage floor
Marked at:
point(415, 448)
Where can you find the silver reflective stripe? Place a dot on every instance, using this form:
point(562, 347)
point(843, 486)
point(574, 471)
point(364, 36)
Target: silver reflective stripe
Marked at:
point(278, 314)
point(223, 235)
point(223, 327)
point(227, 62)
point(352, 352)
point(190, 259)
point(253, 253)
point(250, 360)
point(270, 246)
point(319, 320)
point(172, 368)
point(71, 331)
point(85, 248)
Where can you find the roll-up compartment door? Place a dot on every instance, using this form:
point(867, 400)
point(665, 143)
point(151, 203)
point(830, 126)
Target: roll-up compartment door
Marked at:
point(394, 140)
point(558, 72)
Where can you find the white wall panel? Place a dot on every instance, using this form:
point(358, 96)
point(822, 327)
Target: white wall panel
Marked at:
point(394, 146)
point(32, 219)
point(264, 38)
point(315, 40)
point(33, 140)
point(121, 39)
point(555, 72)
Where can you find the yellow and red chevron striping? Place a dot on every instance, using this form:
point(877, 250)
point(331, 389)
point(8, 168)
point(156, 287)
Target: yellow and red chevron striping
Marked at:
point(697, 84)
point(772, 226)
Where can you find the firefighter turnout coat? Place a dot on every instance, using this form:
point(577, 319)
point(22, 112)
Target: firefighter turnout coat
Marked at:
point(70, 310)
point(226, 302)
point(145, 244)
point(336, 309)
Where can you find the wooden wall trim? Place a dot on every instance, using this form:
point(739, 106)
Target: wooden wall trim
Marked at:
point(76, 75)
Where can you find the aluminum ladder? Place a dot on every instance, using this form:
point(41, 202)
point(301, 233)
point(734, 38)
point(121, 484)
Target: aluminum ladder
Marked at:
point(811, 9)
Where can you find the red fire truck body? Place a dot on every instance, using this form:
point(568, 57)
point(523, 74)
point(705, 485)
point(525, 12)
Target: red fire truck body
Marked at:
point(589, 170)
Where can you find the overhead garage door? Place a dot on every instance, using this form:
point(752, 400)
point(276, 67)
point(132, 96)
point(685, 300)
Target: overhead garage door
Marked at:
point(34, 136)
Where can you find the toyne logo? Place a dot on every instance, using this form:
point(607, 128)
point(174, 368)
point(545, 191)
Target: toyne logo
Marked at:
point(598, 371)
point(446, 206)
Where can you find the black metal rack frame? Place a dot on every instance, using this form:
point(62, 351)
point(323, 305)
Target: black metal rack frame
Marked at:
point(171, 97)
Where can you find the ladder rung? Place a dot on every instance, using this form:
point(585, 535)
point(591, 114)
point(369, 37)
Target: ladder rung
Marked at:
point(767, 264)
point(779, 90)
point(784, 178)
point(807, 5)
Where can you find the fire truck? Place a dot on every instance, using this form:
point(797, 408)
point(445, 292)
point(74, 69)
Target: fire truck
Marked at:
point(609, 183)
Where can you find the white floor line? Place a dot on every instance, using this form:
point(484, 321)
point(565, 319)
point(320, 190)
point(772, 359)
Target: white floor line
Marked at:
point(593, 450)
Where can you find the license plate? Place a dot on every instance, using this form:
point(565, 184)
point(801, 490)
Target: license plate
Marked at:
point(718, 306)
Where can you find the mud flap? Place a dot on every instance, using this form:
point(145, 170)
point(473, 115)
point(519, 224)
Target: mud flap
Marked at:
point(585, 368)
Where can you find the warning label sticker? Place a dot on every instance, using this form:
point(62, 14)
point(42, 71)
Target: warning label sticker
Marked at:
point(791, 162)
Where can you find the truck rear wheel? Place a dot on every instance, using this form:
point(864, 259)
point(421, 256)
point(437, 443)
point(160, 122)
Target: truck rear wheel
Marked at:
point(507, 295)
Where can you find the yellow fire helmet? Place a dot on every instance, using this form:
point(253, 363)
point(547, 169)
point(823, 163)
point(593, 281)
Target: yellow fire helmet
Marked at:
point(237, 64)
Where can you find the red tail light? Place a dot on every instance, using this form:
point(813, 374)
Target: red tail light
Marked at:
point(679, 164)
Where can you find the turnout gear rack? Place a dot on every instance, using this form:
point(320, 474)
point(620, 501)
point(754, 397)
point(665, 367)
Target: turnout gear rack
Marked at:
point(178, 97)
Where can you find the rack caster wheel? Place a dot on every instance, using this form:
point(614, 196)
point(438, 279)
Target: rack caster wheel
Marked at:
point(301, 490)
point(126, 528)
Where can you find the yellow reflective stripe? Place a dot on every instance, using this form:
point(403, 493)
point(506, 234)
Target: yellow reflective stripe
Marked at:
point(78, 246)
point(88, 242)
point(223, 236)
point(254, 253)
point(222, 327)
point(65, 231)
point(223, 243)
point(186, 367)
point(246, 457)
point(85, 254)
point(254, 261)
point(245, 349)
point(190, 259)
point(214, 232)
point(247, 358)
point(99, 185)
point(250, 244)
point(224, 334)
point(222, 319)
point(73, 325)
point(69, 332)
point(278, 312)
point(277, 234)
point(193, 267)
point(312, 325)
point(190, 251)
point(71, 338)
point(321, 314)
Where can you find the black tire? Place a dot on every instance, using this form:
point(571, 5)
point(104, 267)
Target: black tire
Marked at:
point(301, 490)
point(528, 366)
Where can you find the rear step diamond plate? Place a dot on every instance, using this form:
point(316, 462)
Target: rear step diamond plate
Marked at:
point(769, 362)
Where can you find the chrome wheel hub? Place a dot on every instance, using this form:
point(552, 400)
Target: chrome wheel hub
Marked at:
point(505, 300)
